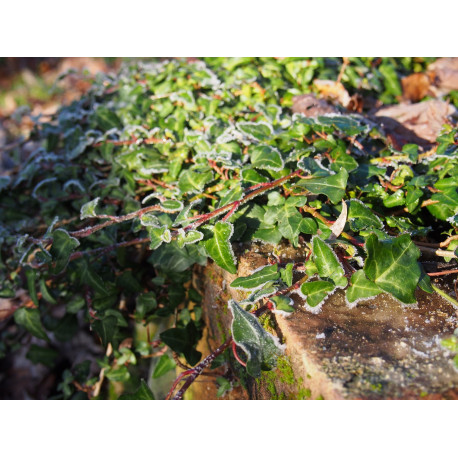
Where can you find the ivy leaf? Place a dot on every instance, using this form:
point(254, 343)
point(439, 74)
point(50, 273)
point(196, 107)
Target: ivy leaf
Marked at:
point(361, 288)
point(194, 181)
point(164, 365)
point(219, 246)
point(360, 217)
point(30, 320)
point(183, 340)
point(287, 274)
point(107, 119)
point(394, 200)
point(393, 266)
point(256, 130)
point(327, 263)
point(447, 205)
point(317, 291)
point(143, 393)
point(88, 209)
point(174, 206)
point(257, 279)
point(62, 247)
point(332, 186)
point(283, 303)
point(189, 238)
point(266, 157)
point(261, 347)
point(31, 275)
point(106, 328)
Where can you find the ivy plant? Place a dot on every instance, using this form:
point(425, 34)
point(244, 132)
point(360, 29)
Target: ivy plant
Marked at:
point(166, 165)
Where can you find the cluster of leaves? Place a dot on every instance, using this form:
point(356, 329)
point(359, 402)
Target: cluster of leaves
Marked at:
point(170, 163)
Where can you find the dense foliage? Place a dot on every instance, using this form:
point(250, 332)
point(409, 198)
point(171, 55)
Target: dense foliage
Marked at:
point(170, 163)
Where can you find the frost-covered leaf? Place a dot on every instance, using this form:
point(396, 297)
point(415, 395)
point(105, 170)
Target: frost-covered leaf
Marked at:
point(172, 206)
point(392, 265)
point(219, 246)
point(62, 247)
point(257, 279)
point(287, 274)
point(189, 238)
point(361, 217)
point(266, 157)
point(194, 181)
point(88, 209)
point(361, 288)
point(261, 347)
point(316, 291)
point(256, 130)
point(332, 186)
point(327, 263)
point(283, 304)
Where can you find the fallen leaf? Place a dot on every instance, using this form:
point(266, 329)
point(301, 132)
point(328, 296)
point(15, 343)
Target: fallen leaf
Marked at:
point(418, 123)
point(416, 86)
point(311, 106)
point(334, 91)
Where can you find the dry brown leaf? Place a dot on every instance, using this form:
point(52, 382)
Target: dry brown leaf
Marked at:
point(416, 86)
point(334, 91)
point(445, 71)
point(418, 123)
point(339, 223)
point(311, 106)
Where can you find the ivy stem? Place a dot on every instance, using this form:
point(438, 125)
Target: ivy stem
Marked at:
point(445, 296)
point(196, 371)
point(443, 272)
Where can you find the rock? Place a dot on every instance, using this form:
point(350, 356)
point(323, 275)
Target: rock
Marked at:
point(376, 350)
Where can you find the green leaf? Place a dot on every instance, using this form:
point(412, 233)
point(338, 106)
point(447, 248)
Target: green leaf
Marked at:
point(252, 177)
point(194, 181)
point(105, 328)
point(107, 119)
point(43, 355)
point(317, 291)
point(395, 199)
point(183, 340)
point(283, 303)
point(118, 374)
point(393, 266)
point(189, 238)
point(361, 288)
point(287, 274)
point(61, 249)
point(308, 226)
point(30, 320)
point(143, 393)
point(256, 130)
point(31, 275)
point(327, 263)
point(266, 157)
point(261, 347)
point(219, 246)
point(88, 209)
point(257, 279)
point(447, 205)
point(360, 216)
point(164, 365)
point(171, 205)
point(332, 186)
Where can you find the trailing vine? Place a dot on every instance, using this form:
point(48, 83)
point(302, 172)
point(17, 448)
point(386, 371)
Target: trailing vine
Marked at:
point(167, 165)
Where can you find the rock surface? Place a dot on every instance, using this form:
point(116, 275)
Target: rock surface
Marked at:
point(376, 350)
